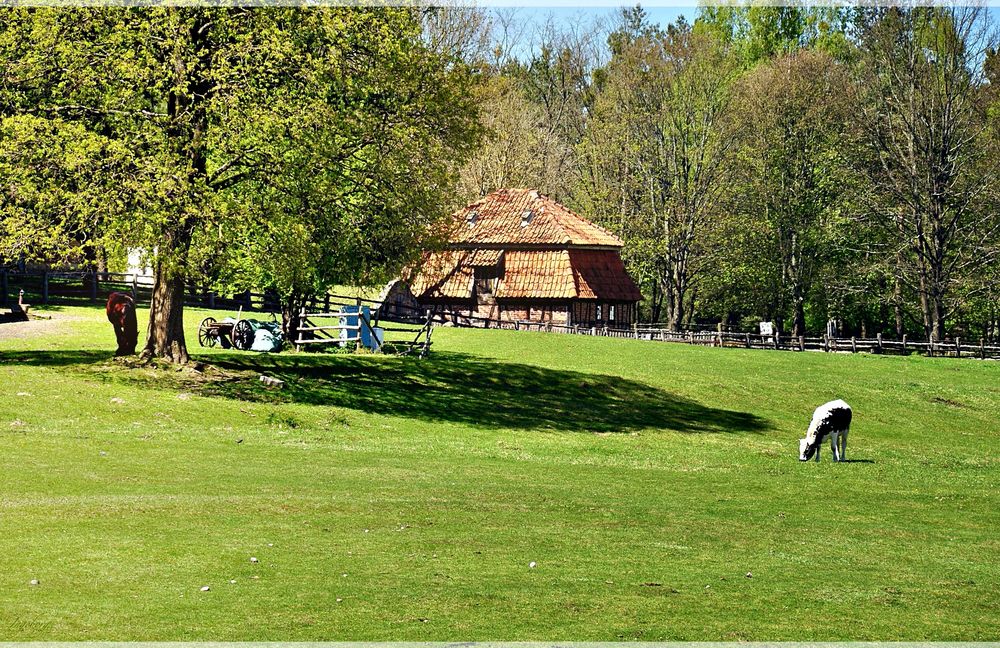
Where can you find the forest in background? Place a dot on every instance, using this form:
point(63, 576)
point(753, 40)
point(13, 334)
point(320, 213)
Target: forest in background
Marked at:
point(762, 163)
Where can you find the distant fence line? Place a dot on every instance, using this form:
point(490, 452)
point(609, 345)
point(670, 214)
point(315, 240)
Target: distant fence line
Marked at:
point(956, 348)
point(41, 287)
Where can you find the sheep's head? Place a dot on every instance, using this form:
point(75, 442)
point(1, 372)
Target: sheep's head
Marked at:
point(805, 452)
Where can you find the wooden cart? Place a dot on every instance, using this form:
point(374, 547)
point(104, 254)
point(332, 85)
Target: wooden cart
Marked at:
point(236, 335)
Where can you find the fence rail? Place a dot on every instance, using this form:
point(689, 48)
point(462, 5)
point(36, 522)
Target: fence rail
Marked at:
point(313, 328)
point(42, 287)
point(956, 348)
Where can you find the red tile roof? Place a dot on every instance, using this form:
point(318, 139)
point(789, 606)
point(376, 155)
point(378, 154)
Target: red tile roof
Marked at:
point(530, 274)
point(444, 274)
point(601, 274)
point(499, 219)
point(542, 274)
point(554, 254)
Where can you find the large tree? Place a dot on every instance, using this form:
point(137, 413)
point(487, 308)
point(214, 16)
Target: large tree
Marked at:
point(933, 160)
point(794, 172)
point(656, 152)
point(231, 115)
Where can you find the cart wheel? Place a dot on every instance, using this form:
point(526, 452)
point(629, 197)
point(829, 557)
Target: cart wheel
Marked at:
point(243, 335)
point(207, 337)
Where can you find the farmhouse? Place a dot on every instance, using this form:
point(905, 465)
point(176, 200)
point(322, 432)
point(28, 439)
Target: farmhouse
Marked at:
point(519, 255)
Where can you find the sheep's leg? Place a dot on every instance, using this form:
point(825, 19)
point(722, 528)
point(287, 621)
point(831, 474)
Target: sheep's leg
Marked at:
point(819, 446)
point(834, 447)
point(843, 445)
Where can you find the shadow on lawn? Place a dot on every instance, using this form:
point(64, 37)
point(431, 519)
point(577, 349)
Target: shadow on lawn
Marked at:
point(448, 387)
point(62, 358)
point(466, 389)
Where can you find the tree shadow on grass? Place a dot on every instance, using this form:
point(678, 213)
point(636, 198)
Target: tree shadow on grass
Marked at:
point(60, 358)
point(467, 389)
point(447, 387)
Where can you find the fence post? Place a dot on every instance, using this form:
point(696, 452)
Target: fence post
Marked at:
point(854, 344)
point(826, 343)
point(135, 286)
point(777, 342)
point(298, 327)
point(93, 285)
point(747, 339)
point(904, 343)
point(878, 337)
point(958, 347)
point(982, 349)
point(45, 287)
point(3, 287)
point(802, 343)
point(211, 299)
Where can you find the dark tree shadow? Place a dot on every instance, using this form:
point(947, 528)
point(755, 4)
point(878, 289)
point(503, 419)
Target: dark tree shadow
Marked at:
point(55, 358)
point(447, 387)
point(471, 390)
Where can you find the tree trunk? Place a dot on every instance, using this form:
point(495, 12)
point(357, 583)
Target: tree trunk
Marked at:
point(657, 300)
point(897, 305)
point(290, 309)
point(188, 127)
point(937, 316)
point(165, 334)
point(675, 311)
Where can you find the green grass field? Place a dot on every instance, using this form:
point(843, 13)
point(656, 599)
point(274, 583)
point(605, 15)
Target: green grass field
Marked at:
point(403, 499)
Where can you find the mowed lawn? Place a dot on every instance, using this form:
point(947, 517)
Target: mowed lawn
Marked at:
point(655, 487)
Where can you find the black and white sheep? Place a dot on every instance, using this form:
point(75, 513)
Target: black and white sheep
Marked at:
point(831, 419)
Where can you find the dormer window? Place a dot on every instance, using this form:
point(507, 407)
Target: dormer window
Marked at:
point(471, 217)
point(526, 217)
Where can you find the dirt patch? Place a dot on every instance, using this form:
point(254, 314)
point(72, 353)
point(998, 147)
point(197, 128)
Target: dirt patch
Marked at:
point(196, 377)
point(946, 401)
point(36, 327)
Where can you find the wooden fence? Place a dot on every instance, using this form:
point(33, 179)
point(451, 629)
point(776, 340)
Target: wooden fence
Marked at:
point(45, 287)
point(956, 348)
point(42, 287)
point(314, 329)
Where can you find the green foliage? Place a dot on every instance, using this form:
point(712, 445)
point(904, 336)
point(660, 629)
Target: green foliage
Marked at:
point(288, 147)
point(653, 169)
point(794, 179)
point(760, 33)
point(59, 185)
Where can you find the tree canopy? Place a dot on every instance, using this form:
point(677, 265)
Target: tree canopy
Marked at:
point(287, 147)
point(797, 164)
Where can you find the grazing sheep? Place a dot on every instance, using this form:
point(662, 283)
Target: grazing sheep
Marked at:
point(833, 419)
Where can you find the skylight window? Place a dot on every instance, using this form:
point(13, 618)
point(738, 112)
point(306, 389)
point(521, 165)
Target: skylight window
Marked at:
point(471, 217)
point(526, 217)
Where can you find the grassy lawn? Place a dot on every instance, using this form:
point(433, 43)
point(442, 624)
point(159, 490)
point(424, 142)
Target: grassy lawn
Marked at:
point(404, 499)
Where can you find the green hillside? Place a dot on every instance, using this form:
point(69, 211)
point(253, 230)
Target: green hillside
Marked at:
point(655, 488)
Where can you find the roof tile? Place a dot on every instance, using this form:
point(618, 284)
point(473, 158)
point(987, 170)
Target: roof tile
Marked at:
point(499, 218)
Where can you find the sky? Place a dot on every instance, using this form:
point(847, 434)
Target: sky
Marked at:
point(583, 15)
point(661, 12)
point(573, 10)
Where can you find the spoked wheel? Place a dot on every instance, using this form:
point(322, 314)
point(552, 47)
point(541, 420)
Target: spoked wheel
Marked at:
point(243, 335)
point(207, 335)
